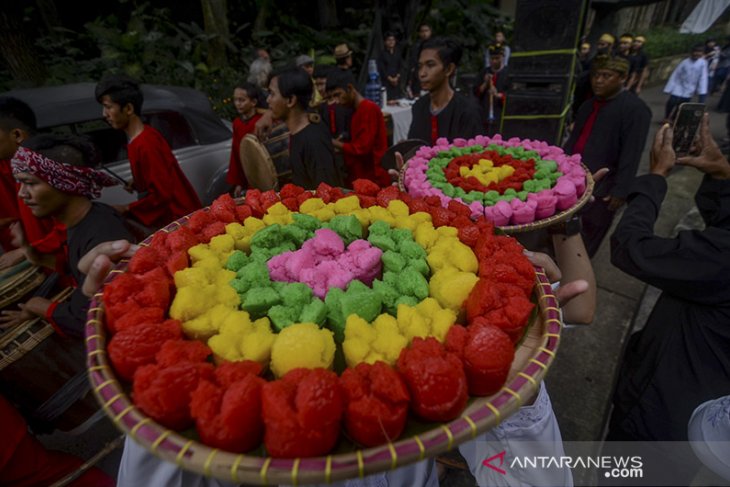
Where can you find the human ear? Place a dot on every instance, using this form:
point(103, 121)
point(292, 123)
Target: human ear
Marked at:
point(128, 109)
point(291, 101)
point(450, 69)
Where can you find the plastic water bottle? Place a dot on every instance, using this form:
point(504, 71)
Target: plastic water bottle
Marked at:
point(373, 86)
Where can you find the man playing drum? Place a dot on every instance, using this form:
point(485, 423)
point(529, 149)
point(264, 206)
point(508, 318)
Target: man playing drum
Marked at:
point(55, 181)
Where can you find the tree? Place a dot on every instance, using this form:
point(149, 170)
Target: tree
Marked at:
point(17, 49)
point(327, 14)
point(215, 22)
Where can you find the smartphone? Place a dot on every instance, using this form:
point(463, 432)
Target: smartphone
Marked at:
point(686, 124)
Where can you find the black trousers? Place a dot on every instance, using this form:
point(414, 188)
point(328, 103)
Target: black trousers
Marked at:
point(596, 220)
point(672, 103)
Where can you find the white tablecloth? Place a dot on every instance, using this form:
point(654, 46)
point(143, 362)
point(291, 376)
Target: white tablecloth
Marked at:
point(401, 116)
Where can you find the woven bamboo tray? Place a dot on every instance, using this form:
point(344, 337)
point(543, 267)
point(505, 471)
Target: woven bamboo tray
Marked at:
point(17, 285)
point(532, 360)
point(539, 224)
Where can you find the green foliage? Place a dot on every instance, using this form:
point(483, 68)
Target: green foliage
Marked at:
point(161, 46)
point(668, 41)
point(472, 23)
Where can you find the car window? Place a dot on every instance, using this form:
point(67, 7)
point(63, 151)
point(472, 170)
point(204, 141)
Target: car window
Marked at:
point(173, 126)
point(110, 143)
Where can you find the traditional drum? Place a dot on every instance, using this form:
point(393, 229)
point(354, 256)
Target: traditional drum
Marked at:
point(266, 165)
point(44, 374)
point(407, 149)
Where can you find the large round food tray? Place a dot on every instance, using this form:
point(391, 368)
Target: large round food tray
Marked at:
point(539, 224)
point(532, 360)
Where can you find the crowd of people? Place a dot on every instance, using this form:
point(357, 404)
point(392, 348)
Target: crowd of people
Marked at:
point(679, 361)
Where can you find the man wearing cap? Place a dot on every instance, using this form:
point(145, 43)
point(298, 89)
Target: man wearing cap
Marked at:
point(624, 51)
point(343, 56)
point(610, 131)
point(688, 78)
point(605, 44)
point(640, 65)
point(307, 64)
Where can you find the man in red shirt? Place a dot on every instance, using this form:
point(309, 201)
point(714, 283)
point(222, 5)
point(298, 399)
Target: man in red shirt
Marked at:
point(17, 123)
point(164, 193)
point(368, 138)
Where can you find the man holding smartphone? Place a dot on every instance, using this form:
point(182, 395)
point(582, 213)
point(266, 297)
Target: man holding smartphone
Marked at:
point(681, 357)
point(610, 131)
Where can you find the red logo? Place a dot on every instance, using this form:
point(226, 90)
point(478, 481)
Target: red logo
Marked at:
point(500, 456)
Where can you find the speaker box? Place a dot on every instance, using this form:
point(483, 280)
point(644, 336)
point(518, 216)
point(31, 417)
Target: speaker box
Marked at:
point(547, 65)
point(535, 102)
point(548, 129)
point(545, 25)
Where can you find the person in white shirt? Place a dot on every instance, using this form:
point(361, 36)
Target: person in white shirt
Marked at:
point(688, 78)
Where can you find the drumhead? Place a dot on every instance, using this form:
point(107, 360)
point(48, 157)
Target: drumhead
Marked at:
point(407, 148)
point(257, 164)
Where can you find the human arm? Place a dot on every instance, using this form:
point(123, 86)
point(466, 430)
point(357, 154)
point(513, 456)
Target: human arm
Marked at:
point(30, 253)
point(362, 138)
point(702, 85)
point(694, 264)
point(264, 124)
point(33, 308)
point(633, 135)
point(11, 257)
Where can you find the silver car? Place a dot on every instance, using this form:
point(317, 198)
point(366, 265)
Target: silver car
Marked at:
point(200, 140)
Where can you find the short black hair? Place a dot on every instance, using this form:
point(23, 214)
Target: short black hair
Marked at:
point(449, 51)
point(122, 89)
point(16, 114)
point(253, 92)
point(294, 82)
point(340, 79)
point(76, 150)
point(698, 47)
point(390, 33)
point(322, 71)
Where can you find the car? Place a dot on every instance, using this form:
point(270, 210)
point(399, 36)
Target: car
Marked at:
point(199, 138)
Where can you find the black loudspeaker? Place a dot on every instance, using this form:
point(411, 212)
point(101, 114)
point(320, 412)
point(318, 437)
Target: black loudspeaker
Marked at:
point(545, 25)
point(537, 103)
point(541, 77)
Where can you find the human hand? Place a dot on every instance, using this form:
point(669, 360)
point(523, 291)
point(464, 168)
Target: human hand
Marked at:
point(97, 262)
point(121, 209)
point(710, 159)
point(662, 156)
point(10, 258)
point(263, 125)
point(17, 235)
point(395, 173)
point(337, 143)
point(35, 306)
point(614, 203)
point(566, 291)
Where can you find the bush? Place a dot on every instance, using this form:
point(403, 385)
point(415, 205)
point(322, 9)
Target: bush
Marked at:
point(667, 41)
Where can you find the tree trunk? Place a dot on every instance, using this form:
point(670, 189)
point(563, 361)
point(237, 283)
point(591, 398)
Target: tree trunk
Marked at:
point(215, 20)
point(327, 14)
point(49, 14)
point(18, 53)
point(262, 15)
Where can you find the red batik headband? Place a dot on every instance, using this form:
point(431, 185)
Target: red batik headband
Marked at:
point(82, 181)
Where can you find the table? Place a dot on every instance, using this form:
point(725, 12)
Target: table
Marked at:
point(401, 115)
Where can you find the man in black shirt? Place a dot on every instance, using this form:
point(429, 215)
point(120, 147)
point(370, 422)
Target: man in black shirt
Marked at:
point(442, 112)
point(640, 65)
point(610, 131)
point(310, 146)
point(681, 358)
point(413, 83)
point(56, 181)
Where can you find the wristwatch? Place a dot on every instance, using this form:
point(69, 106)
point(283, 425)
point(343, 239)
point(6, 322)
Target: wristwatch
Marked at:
point(568, 227)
